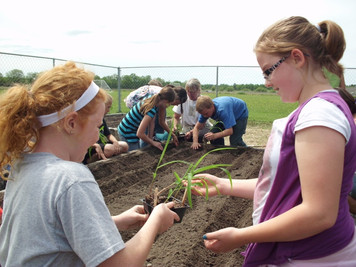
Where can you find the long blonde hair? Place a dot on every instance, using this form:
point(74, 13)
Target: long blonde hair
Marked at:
point(20, 105)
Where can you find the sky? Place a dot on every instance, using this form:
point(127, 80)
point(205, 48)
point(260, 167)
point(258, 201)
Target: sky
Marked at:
point(158, 32)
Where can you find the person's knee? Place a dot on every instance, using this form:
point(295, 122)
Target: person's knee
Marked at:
point(109, 150)
point(124, 147)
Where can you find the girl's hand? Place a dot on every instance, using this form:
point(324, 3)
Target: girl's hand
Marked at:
point(166, 216)
point(211, 181)
point(223, 240)
point(158, 145)
point(131, 218)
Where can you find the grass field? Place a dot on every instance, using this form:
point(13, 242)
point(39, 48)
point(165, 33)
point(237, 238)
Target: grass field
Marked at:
point(263, 108)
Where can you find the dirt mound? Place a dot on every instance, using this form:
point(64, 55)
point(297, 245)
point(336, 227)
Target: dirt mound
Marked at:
point(124, 181)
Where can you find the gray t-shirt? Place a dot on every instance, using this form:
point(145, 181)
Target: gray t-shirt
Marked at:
point(55, 215)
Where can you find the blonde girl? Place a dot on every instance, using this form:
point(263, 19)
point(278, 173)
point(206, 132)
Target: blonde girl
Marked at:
point(301, 215)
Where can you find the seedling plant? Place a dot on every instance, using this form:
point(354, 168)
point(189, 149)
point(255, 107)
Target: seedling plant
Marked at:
point(185, 182)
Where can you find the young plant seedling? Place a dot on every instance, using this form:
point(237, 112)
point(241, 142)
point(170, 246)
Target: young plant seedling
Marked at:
point(185, 182)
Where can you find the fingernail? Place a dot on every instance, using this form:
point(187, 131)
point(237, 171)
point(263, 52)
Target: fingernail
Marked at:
point(204, 237)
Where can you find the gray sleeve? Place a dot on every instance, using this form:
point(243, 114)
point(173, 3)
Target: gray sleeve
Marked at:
point(87, 223)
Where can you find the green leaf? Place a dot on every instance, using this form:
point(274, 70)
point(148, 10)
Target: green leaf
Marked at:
point(228, 175)
point(214, 166)
point(189, 189)
point(170, 193)
point(214, 150)
point(214, 184)
point(179, 180)
point(172, 162)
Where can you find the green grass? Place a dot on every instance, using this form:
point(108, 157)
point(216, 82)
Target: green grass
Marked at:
point(263, 108)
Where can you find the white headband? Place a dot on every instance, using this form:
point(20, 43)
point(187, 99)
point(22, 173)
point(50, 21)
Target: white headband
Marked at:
point(86, 97)
point(318, 27)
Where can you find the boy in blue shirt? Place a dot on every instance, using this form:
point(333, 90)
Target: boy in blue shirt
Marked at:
point(231, 115)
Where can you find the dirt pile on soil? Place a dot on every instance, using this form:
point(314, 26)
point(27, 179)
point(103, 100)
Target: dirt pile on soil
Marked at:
point(124, 181)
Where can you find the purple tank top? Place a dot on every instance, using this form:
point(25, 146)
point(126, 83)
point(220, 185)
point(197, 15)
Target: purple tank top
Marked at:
point(286, 193)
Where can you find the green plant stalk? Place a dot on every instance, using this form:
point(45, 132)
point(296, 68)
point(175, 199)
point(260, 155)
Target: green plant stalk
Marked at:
point(160, 159)
point(102, 138)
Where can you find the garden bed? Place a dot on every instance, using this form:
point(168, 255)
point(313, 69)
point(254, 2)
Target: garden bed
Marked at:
point(124, 181)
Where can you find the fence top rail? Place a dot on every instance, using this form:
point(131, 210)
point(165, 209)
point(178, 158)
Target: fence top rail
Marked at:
point(138, 67)
point(191, 66)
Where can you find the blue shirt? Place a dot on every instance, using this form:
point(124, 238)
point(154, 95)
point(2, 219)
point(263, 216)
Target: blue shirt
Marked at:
point(228, 110)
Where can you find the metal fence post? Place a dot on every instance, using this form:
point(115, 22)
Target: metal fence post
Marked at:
point(119, 88)
point(217, 81)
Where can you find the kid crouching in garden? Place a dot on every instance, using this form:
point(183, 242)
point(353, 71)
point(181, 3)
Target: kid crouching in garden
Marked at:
point(54, 212)
point(301, 215)
point(230, 114)
point(137, 127)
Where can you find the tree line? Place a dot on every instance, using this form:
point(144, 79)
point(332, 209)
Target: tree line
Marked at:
point(131, 81)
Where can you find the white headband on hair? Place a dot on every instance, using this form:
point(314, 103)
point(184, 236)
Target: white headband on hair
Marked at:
point(85, 98)
point(318, 27)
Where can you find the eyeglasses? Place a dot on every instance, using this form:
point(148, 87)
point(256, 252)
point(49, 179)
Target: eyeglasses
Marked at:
point(267, 72)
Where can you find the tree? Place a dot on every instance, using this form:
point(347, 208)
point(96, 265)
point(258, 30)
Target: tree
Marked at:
point(30, 77)
point(133, 81)
point(111, 80)
point(15, 76)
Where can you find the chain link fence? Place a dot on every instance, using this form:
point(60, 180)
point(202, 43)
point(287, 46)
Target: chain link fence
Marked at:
point(24, 68)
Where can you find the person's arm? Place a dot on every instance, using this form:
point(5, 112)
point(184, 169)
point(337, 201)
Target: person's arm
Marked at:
point(137, 248)
point(198, 126)
point(131, 218)
point(162, 118)
point(243, 188)
point(142, 135)
point(212, 136)
point(320, 168)
point(151, 127)
point(112, 138)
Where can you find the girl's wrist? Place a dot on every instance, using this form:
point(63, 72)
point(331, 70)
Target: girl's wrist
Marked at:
point(225, 187)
